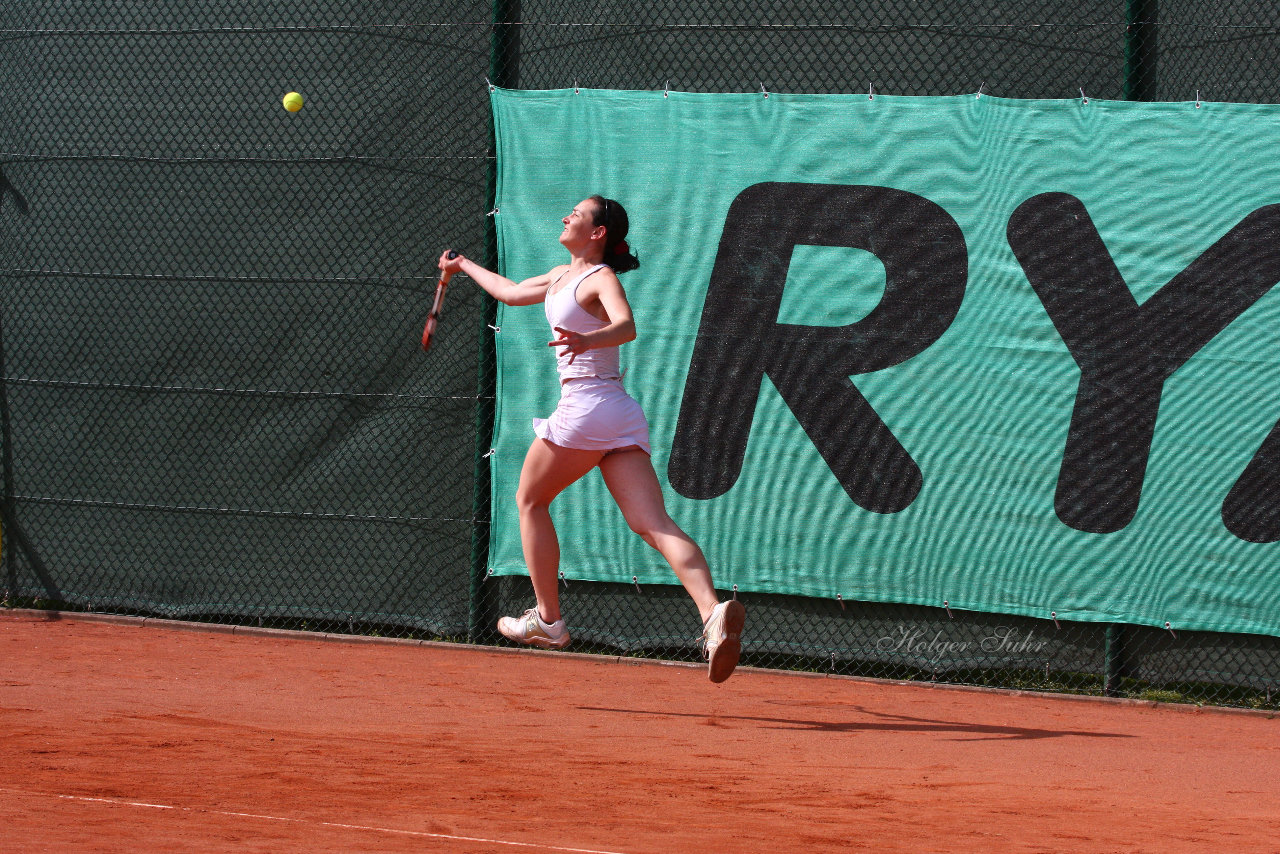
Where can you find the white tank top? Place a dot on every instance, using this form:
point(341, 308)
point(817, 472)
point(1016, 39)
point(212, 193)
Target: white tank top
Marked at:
point(564, 311)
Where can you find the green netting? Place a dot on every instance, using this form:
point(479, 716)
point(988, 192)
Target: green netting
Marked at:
point(831, 280)
point(211, 306)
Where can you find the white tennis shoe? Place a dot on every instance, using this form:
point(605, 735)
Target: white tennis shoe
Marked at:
point(722, 639)
point(529, 629)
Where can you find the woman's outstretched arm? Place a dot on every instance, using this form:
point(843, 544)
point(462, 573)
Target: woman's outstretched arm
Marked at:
point(527, 292)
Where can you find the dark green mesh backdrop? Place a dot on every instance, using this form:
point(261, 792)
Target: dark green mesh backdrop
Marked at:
point(214, 404)
point(217, 405)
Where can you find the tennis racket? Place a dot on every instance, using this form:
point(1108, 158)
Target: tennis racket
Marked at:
point(434, 317)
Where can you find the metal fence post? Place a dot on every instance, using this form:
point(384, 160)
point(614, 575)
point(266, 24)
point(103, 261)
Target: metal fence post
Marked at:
point(1140, 51)
point(1116, 666)
point(8, 526)
point(504, 71)
point(1140, 59)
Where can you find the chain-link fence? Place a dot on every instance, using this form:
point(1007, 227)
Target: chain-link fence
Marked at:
point(214, 405)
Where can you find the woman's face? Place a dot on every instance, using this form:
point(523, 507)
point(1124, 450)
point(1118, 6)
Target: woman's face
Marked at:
point(579, 225)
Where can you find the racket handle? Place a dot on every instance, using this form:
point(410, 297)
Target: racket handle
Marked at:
point(444, 279)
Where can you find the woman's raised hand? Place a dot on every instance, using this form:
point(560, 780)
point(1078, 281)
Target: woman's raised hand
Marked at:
point(450, 262)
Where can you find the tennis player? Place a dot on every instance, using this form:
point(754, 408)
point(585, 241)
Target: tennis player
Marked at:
point(596, 424)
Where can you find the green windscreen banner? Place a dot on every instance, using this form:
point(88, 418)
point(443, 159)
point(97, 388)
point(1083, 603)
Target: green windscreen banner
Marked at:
point(1011, 356)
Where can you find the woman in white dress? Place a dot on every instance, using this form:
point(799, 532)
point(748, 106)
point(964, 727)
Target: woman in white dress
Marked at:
point(596, 424)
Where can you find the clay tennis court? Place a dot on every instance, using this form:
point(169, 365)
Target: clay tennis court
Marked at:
point(123, 736)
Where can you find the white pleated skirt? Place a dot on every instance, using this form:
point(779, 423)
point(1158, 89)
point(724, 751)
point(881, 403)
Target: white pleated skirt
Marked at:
point(595, 414)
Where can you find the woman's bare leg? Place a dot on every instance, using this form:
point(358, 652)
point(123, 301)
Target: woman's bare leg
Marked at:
point(634, 485)
point(548, 470)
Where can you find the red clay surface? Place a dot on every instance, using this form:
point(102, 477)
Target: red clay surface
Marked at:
point(122, 737)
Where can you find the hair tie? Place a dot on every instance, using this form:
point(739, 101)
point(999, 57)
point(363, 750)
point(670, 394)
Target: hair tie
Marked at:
point(621, 248)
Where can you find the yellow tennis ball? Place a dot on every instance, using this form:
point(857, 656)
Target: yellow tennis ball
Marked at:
point(293, 102)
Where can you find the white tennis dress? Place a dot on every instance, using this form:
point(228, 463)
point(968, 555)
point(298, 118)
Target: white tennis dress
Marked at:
point(595, 412)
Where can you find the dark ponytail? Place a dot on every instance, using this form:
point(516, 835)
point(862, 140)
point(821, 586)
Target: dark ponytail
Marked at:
point(617, 254)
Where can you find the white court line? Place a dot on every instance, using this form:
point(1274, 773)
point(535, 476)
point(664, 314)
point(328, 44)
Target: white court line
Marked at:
point(340, 825)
